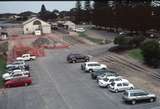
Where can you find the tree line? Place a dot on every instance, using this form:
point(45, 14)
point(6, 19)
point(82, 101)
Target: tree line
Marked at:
point(127, 14)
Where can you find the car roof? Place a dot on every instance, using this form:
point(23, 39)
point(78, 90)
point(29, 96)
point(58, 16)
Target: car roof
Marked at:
point(116, 82)
point(75, 54)
point(135, 90)
point(110, 77)
point(91, 62)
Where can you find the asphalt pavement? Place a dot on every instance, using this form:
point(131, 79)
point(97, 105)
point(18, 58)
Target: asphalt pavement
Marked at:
point(60, 85)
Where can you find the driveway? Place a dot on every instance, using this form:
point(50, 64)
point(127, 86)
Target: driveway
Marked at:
point(59, 85)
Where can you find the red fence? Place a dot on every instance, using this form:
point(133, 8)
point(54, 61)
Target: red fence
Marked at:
point(19, 50)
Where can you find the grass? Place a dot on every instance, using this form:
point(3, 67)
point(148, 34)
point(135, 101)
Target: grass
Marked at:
point(2, 70)
point(95, 40)
point(136, 54)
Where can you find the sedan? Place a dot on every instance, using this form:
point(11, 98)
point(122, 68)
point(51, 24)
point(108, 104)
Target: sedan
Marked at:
point(18, 82)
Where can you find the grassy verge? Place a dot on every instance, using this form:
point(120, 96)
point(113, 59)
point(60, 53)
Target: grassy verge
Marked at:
point(136, 54)
point(2, 69)
point(95, 40)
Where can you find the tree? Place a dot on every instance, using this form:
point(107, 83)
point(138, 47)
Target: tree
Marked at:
point(87, 5)
point(87, 12)
point(151, 52)
point(43, 8)
point(78, 14)
point(45, 14)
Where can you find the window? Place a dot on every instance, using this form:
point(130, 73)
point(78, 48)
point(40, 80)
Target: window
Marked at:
point(125, 84)
point(119, 84)
point(37, 22)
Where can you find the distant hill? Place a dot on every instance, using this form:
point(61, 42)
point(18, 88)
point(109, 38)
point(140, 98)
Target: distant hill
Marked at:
point(27, 13)
point(6, 15)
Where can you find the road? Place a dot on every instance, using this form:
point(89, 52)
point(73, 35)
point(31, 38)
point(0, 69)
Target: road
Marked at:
point(59, 85)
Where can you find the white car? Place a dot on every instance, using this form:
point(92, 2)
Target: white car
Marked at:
point(92, 66)
point(107, 81)
point(16, 64)
point(15, 74)
point(120, 86)
point(79, 30)
point(26, 57)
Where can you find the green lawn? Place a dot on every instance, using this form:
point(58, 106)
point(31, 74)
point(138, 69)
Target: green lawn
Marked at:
point(136, 54)
point(2, 70)
point(95, 40)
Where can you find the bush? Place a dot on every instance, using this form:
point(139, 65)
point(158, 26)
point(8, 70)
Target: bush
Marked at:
point(129, 41)
point(4, 47)
point(123, 41)
point(151, 52)
point(41, 41)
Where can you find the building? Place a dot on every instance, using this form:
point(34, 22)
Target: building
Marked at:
point(33, 24)
point(3, 36)
point(69, 25)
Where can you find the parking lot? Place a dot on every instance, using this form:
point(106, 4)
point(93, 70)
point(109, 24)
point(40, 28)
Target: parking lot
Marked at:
point(59, 85)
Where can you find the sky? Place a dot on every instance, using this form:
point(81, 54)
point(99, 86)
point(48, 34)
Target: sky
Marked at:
point(35, 6)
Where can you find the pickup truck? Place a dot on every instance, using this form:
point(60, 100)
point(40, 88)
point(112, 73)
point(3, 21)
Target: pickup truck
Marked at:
point(26, 57)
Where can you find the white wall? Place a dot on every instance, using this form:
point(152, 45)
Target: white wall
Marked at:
point(46, 28)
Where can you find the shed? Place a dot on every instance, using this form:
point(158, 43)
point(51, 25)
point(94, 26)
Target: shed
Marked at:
point(33, 24)
point(3, 36)
point(69, 25)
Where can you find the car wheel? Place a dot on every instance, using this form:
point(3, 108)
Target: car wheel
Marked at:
point(74, 61)
point(26, 84)
point(131, 88)
point(151, 99)
point(133, 101)
point(103, 68)
point(116, 90)
point(86, 60)
point(90, 70)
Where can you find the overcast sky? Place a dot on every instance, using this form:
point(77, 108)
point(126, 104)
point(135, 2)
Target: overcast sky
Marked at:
point(35, 6)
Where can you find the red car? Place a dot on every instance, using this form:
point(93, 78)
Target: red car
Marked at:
point(25, 81)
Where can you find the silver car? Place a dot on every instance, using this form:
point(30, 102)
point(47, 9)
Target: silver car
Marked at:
point(136, 95)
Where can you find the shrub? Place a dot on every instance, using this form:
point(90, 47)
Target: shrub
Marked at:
point(151, 52)
point(41, 41)
point(4, 47)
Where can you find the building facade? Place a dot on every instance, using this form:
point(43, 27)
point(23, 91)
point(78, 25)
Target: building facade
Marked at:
point(33, 24)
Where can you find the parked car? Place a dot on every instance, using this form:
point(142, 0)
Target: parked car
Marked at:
point(107, 74)
point(73, 58)
point(26, 57)
point(25, 81)
point(92, 66)
point(26, 67)
point(117, 86)
point(79, 30)
point(16, 64)
point(107, 81)
point(16, 74)
point(135, 95)
point(97, 73)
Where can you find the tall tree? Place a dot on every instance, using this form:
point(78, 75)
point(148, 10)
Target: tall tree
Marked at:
point(43, 8)
point(87, 5)
point(44, 14)
point(78, 14)
point(87, 11)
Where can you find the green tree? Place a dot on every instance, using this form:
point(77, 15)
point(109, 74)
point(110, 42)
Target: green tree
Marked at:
point(151, 52)
point(78, 14)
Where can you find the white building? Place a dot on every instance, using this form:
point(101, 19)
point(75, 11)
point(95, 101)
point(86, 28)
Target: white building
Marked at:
point(3, 36)
point(33, 24)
